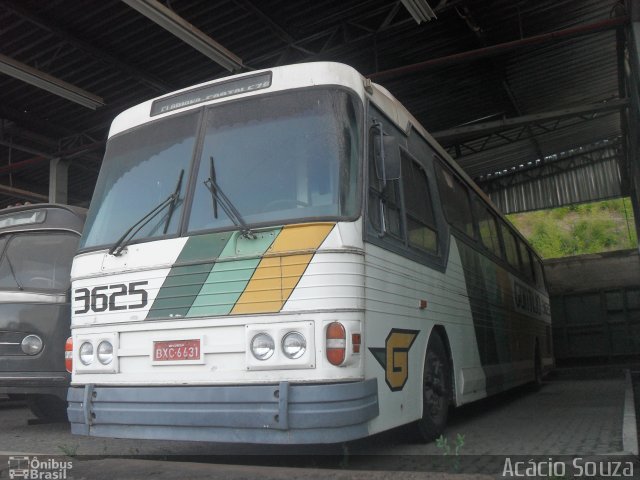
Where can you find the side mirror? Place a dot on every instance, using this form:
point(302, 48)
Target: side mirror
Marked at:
point(387, 155)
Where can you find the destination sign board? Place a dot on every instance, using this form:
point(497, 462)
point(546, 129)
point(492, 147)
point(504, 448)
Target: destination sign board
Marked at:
point(211, 92)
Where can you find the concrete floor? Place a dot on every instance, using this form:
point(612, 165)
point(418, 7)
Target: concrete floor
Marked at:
point(566, 417)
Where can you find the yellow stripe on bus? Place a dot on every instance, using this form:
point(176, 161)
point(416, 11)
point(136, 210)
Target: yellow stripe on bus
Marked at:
point(277, 273)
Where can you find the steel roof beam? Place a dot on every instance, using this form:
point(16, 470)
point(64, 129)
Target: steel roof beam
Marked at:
point(479, 130)
point(9, 129)
point(497, 140)
point(25, 149)
point(96, 53)
point(21, 165)
point(280, 32)
point(40, 157)
point(23, 194)
point(502, 48)
point(329, 33)
point(38, 78)
point(552, 166)
point(479, 32)
point(188, 33)
point(32, 120)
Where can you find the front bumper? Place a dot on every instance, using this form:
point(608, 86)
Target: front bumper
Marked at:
point(280, 414)
point(49, 383)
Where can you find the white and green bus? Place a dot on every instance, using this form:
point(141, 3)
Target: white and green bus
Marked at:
point(287, 256)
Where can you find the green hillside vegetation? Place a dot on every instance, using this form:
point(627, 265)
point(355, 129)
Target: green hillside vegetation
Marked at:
point(579, 229)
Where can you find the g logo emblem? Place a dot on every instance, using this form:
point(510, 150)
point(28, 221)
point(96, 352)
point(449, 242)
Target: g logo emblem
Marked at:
point(394, 357)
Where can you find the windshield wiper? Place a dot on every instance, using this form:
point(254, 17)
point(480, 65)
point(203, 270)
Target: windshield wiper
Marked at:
point(217, 195)
point(171, 200)
point(13, 272)
point(5, 254)
point(174, 200)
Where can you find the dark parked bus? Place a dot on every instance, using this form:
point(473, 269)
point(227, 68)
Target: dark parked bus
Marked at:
point(37, 245)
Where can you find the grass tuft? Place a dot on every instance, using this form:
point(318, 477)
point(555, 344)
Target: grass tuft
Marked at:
point(579, 229)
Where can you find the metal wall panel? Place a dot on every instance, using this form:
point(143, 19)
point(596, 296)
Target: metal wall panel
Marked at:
point(595, 304)
point(604, 323)
point(586, 179)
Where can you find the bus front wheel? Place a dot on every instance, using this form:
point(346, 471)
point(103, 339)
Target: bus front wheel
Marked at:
point(47, 407)
point(436, 391)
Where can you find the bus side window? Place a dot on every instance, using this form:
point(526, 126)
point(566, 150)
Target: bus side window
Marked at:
point(487, 228)
point(455, 200)
point(537, 266)
point(421, 224)
point(525, 258)
point(510, 247)
point(389, 198)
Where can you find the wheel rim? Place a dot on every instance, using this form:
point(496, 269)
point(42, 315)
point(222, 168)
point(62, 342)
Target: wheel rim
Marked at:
point(435, 393)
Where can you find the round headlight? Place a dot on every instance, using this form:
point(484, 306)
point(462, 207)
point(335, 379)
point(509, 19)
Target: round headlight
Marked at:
point(262, 346)
point(31, 345)
point(86, 353)
point(294, 345)
point(105, 353)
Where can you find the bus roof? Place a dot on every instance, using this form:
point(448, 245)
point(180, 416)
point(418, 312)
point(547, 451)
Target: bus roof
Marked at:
point(56, 217)
point(240, 86)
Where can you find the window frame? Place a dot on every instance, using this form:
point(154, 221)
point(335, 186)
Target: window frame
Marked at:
point(504, 227)
point(372, 167)
point(8, 238)
point(478, 203)
point(440, 163)
point(191, 173)
point(186, 182)
point(525, 249)
point(371, 234)
point(405, 154)
point(360, 108)
point(540, 281)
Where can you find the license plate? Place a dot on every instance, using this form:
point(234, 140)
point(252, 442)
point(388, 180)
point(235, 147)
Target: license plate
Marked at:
point(176, 350)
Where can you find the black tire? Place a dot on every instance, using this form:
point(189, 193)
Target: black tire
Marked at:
point(47, 407)
point(436, 391)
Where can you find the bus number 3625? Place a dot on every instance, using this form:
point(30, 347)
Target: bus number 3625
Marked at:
point(106, 297)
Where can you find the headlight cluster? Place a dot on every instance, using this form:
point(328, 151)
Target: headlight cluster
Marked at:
point(262, 346)
point(31, 345)
point(104, 353)
point(293, 345)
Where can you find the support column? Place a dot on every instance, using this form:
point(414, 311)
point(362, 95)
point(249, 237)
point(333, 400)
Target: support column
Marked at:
point(633, 125)
point(58, 180)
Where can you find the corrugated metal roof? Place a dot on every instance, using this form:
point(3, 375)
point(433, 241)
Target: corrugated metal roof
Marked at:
point(370, 35)
point(511, 155)
point(594, 177)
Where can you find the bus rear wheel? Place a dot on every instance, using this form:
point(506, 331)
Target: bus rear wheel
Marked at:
point(436, 391)
point(47, 407)
point(537, 369)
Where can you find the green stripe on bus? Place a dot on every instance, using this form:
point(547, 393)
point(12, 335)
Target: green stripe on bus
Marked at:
point(183, 282)
point(204, 247)
point(179, 290)
point(228, 279)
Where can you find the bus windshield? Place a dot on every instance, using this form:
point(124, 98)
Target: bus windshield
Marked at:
point(280, 158)
point(139, 171)
point(37, 261)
